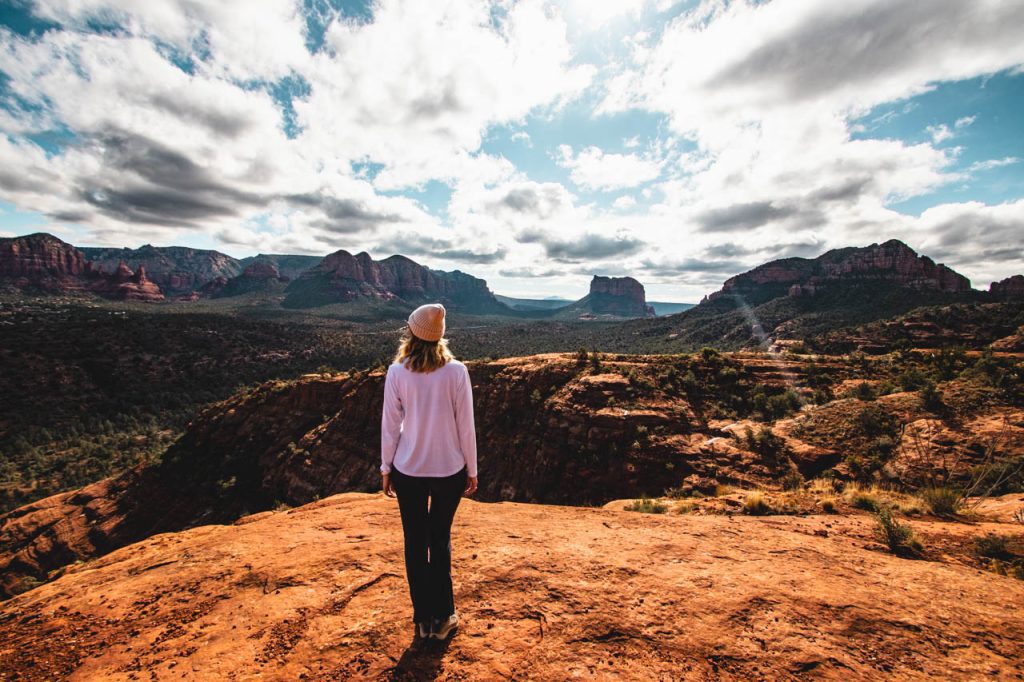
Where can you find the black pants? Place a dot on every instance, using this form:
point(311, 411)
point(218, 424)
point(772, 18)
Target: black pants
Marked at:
point(428, 532)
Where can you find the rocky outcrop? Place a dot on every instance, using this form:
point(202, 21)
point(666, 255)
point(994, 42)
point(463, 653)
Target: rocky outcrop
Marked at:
point(342, 277)
point(290, 266)
point(619, 296)
point(44, 262)
point(125, 285)
point(892, 262)
point(544, 593)
point(1009, 288)
point(175, 269)
point(549, 430)
point(259, 277)
point(609, 297)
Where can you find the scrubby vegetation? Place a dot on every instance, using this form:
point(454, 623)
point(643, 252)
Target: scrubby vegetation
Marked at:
point(898, 537)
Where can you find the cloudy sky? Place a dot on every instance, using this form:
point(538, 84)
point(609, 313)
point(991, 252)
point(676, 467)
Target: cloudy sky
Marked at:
point(531, 143)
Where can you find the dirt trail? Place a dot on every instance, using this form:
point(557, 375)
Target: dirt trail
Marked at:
point(546, 592)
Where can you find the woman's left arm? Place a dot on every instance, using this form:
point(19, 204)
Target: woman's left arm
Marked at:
point(464, 422)
point(390, 429)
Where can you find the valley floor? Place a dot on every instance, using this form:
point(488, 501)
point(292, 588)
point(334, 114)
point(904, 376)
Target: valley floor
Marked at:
point(545, 592)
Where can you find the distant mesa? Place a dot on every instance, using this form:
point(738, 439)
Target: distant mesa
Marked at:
point(892, 262)
point(1009, 288)
point(45, 263)
point(176, 269)
point(289, 266)
point(341, 278)
point(619, 296)
point(260, 277)
point(610, 297)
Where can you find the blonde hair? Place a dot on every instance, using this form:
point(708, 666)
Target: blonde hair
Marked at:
point(423, 356)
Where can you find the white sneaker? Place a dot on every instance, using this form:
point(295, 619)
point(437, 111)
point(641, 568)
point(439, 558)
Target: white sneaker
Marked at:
point(423, 630)
point(443, 628)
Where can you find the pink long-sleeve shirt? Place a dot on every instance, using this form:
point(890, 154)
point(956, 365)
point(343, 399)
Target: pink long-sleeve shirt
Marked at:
point(427, 426)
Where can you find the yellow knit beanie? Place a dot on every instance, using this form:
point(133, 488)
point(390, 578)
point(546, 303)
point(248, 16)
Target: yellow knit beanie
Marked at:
point(427, 322)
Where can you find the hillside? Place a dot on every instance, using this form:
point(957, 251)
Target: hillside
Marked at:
point(555, 429)
point(801, 298)
point(545, 592)
point(176, 269)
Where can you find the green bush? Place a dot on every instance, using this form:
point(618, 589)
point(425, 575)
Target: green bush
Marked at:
point(755, 505)
point(866, 501)
point(993, 546)
point(792, 481)
point(896, 536)
point(875, 420)
point(913, 379)
point(941, 500)
point(647, 506)
point(931, 397)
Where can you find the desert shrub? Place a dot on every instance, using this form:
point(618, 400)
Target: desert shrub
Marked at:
point(686, 508)
point(595, 361)
point(781, 405)
point(898, 537)
point(723, 489)
point(756, 505)
point(949, 362)
point(709, 354)
point(864, 391)
point(993, 546)
point(647, 506)
point(882, 448)
point(912, 379)
point(886, 388)
point(764, 442)
point(866, 501)
point(875, 420)
point(677, 493)
point(1001, 476)
point(931, 397)
point(582, 357)
point(823, 395)
point(941, 500)
point(828, 505)
point(792, 481)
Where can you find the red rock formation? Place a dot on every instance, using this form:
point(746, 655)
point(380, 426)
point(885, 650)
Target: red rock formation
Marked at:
point(176, 269)
point(43, 261)
point(892, 261)
point(342, 277)
point(124, 285)
point(544, 593)
point(548, 430)
point(619, 296)
point(1011, 287)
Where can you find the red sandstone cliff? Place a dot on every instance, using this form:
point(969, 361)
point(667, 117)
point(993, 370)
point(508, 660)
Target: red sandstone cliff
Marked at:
point(42, 261)
point(1011, 287)
point(342, 277)
point(176, 269)
point(891, 262)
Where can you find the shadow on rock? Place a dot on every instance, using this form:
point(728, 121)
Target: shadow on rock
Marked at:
point(420, 661)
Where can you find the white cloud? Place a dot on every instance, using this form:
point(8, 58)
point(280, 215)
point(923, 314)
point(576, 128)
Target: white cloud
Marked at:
point(964, 121)
point(624, 202)
point(992, 163)
point(594, 169)
point(940, 133)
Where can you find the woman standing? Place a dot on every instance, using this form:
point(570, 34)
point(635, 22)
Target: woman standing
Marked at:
point(428, 450)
